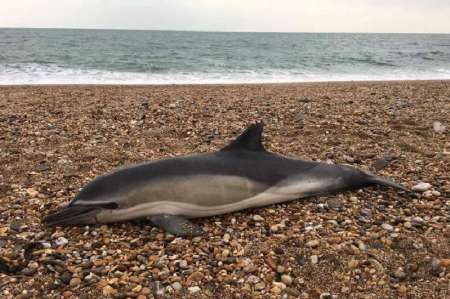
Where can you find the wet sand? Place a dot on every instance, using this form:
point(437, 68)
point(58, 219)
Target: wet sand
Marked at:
point(373, 243)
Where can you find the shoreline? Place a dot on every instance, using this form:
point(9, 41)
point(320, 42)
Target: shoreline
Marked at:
point(371, 243)
point(228, 84)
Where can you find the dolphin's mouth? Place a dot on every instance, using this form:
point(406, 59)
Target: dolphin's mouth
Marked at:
point(78, 214)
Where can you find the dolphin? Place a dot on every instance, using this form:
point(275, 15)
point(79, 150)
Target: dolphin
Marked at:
point(242, 175)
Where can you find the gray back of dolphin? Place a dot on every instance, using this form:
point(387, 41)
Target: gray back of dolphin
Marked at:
point(241, 175)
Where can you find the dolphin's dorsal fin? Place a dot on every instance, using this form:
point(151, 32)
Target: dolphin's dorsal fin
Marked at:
point(250, 139)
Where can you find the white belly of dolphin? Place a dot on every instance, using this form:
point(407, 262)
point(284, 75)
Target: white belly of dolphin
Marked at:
point(282, 192)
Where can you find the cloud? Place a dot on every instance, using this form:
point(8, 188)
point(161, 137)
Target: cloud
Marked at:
point(232, 15)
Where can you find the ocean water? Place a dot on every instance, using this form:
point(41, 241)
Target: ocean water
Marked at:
point(60, 56)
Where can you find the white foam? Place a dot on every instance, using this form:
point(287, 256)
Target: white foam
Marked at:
point(18, 74)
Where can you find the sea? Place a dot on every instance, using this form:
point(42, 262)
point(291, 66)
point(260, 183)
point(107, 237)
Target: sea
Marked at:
point(72, 56)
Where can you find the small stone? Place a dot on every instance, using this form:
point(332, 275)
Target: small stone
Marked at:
point(66, 277)
point(146, 291)
point(74, 282)
point(61, 241)
point(438, 127)
point(277, 287)
point(436, 268)
point(281, 269)
point(183, 264)
point(335, 203)
point(67, 294)
point(260, 286)
point(195, 276)
point(16, 226)
point(158, 288)
point(400, 274)
point(428, 194)
point(286, 279)
point(32, 192)
point(257, 218)
point(194, 290)
point(292, 292)
point(226, 238)
point(445, 263)
point(421, 187)
point(387, 226)
point(313, 243)
point(361, 245)
point(436, 193)
point(314, 259)
point(177, 286)
point(352, 264)
point(402, 289)
point(109, 291)
point(325, 296)
point(250, 268)
point(275, 228)
point(253, 279)
point(407, 224)
point(348, 159)
point(137, 289)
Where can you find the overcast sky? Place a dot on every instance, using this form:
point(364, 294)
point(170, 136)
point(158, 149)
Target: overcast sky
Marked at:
point(232, 15)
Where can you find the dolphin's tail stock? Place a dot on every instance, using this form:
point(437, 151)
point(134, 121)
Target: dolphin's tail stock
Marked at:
point(377, 180)
point(73, 215)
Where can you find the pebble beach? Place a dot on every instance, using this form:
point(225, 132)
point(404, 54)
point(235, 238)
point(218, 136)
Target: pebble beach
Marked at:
point(371, 243)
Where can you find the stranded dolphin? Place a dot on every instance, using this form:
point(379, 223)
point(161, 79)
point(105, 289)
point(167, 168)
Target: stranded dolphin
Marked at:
point(242, 175)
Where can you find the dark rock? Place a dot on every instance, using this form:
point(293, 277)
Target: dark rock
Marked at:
point(66, 277)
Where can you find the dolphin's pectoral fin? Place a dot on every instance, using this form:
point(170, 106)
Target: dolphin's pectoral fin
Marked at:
point(176, 225)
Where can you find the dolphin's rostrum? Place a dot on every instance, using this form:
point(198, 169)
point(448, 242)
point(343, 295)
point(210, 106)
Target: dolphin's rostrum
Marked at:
point(242, 175)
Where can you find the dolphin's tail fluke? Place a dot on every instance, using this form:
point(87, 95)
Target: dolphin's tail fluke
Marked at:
point(377, 180)
point(73, 215)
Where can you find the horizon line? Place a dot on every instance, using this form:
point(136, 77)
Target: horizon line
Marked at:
point(219, 31)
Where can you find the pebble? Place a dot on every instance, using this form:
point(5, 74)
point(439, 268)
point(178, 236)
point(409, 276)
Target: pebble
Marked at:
point(183, 264)
point(436, 268)
point(436, 193)
point(292, 292)
point(335, 203)
point(400, 273)
point(196, 276)
point(402, 289)
point(257, 218)
point(260, 286)
point(109, 291)
point(438, 127)
point(194, 290)
point(362, 246)
point(348, 159)
point(61, 241)
point(314, 259)
point(74, 282)
point(226, 238)
point(313, 243)
point(253, 279)
point(32, 192)
point(16, 226)
point(177, 286)
point(281, 269)
point(387, 226)
point(66, 277)
point(325, 296)
point(421, 187)
point(286, 279)
point(352, 264)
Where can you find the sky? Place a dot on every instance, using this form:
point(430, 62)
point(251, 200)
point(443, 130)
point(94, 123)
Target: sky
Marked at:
point(416, 16)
